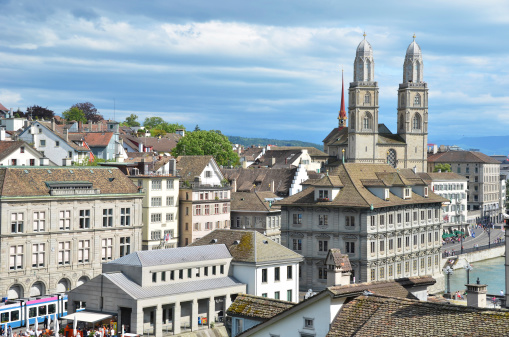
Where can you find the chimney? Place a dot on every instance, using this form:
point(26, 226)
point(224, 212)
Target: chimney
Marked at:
point(44, 161)
point(66, 134)
point(234, 185)
point(338, 268)
point(476, 294)
point(119, 158)
point(53, 127)
point(140, 147)
point(2, 133)
point(80, 126)
point(272, 189)
point(415, 169)
point(67, 162)
point(272, 161)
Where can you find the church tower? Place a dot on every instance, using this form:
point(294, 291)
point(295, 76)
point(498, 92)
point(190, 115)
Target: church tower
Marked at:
point(342, 112)
point(363, 107)
point(413, 109)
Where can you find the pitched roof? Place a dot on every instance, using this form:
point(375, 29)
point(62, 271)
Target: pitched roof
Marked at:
point(162, 144)
point(253, 201)
point(258, 307)
point(147, 258)
point(98, 139)
point(251, 153)
point(312, 151)
point(339, 259)
point(442, 176)
point(278, 180)
point(3, 108)
point(59, 131)
point(389, 316)
point(280, 158)
point(32, 180)
point(248, 246)
point(388, 288)
point(356, 178)
point(8, 147)
point(138, 292)
point(192, 166)
point(461, 157)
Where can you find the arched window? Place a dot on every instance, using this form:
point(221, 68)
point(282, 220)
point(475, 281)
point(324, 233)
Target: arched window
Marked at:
point(367, 121)
point(367, 98)
point(416, 122)
point(417, 100)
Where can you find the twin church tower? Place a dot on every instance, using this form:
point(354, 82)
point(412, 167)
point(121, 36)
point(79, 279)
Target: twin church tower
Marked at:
point(359, 138)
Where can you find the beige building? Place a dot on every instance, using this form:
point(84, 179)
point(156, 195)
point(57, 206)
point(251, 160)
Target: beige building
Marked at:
point(386, 220)
point(59, 224)
point(364, 139)
point(204, 201)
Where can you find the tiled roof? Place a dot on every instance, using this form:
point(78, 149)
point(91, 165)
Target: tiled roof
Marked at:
point(332, 181)
point(3, 108)
point(251, 153)
point(356, 194)
point(31, 180)
point(248, 246)
point(8, 147)
point(192, 166)
point(252, 201)
point(146, 258)
point(163, 144)
point(279, 158)
point(138, 292)
point(340, 259)
point(388, 316)
point(257, 307)
point(442, 176)
point(262, 179)
point(387, 288)
point(59, 131)
point(98, 139)
point(313, 151)
point(461, 157)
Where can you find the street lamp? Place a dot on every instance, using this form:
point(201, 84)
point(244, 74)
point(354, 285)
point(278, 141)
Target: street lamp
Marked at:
point(468, 267)
point(448, 272)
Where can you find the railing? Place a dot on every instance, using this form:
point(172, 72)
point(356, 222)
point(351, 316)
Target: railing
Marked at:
point(473, 249)
point(193, 185)
point(75, 191)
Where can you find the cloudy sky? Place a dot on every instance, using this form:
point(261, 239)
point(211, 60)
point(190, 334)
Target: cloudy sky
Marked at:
point(263, 68)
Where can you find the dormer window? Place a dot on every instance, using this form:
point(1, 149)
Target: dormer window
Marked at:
point(425, 192)
point(407, 193)
point(323, 195)
point(386, 194)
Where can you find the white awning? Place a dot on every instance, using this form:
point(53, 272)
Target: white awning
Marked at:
point(87, 316)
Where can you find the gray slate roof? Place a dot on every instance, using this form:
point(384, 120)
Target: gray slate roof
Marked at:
point(138, 292)
point(147, 258)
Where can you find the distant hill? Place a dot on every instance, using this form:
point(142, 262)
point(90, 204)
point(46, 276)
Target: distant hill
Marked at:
point(489, 145)
point(265, 141)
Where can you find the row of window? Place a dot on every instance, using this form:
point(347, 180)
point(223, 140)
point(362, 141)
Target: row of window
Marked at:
point(39, 219)
point(277, 274)
point(270, 222)
point(156, 184)
point(157, 201)
point(167, 234)
point(448, 187)
point(390, 269)
point(207, 225)
point(158, 217)
point(207, 209)
point(399, 242)
point(277, 295)
point(64, 252)
point(179, 273)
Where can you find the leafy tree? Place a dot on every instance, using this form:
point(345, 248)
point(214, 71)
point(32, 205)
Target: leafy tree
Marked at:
point(74, 114)
point(90, 111)
point(132, 121)
point(38, 112)
point(173, 127)
point(152, 122)
point(442, 167)
point(207, 143)
point(157, 132)
point(197, 128)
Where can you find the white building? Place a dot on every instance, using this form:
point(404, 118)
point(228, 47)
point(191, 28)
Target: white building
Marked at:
point(18, 153)
point(266, 267)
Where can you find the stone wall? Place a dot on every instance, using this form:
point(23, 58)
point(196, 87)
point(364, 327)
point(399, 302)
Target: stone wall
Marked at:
point(477, 256)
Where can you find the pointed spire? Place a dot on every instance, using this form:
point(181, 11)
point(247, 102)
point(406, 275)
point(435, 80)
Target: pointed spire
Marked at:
point(342, 112)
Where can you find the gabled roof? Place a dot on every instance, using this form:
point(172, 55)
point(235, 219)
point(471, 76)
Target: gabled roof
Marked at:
point(280, 158)
point(8, 147)
point(278, 180)
point(251, 153)
point(192, 166)
point(248, 246)
point(376, 315)
point(138, 292)
point(3, 108)
point(162, 144)
point(60, 133)
point(442, 176)
point(98, 139)
point(326, 181)
point(253, 201)
point(339, 259)
point(356, 178)
point(257, 307)
point(461, 157)
point(28, 181)
point(147, 258)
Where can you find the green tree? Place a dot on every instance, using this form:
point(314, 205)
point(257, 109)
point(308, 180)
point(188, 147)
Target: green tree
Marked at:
point(442, 168)
point(152, 122)
point(197, 128)
point(131, 121)
point(157, 132)
point(74, 114)
point(90, 111)
point(207, 143)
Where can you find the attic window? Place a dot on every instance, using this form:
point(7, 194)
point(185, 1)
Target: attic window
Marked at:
point(26, 171)
point(425, 192)
point(386, 195)
point(236, 242)
point(71, 171)
point(407, 193)
point(213, 241)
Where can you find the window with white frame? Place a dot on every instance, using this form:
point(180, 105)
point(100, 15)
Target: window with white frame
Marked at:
point(155, 201)
point(197, 210)
point(125, 246)
point(207, 210)
point(17, 222)
point(125, 216)
point(85, 218)
point(169, 201)
point(83, 251)
point(64, 221)
point(155, 217)
point(39, 221)
point(156, 184)
point(38, 254)
point(169, 217)
point(16, 257)
point(108, 217)
point(169, 184)
point(107, 249)
point(225, 208)
point(64, 253)
point(407, 193)
point(350, 221)
point(155, 235)
point(216, 208)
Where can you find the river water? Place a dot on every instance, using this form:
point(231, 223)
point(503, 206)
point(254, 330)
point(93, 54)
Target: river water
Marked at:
point(490, 272)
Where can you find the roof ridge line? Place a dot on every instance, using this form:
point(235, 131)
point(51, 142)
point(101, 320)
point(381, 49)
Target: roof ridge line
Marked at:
point(351, 180)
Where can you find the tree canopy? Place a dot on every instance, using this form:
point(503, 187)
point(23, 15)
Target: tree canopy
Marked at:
point(74, 114)
point(442, 168)
point(90, 111)
point(207, 143)
point(158, 126)
point(132, 121)
point(38, 112)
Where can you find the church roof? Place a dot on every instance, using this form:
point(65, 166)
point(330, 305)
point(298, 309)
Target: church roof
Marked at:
point(364, 48)
point(413, 50)
point(461, 157)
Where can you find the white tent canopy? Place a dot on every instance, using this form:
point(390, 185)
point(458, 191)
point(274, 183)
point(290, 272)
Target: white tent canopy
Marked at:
point(87, 316)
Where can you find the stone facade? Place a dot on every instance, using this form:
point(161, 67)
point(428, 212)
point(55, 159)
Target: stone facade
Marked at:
point(57, 232)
